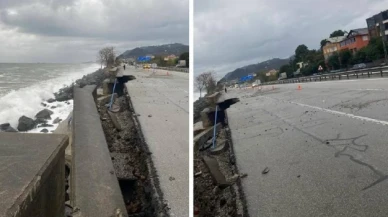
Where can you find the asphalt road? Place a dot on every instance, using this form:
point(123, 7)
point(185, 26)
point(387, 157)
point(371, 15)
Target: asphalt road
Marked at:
point(161, 99)
point(326, 148)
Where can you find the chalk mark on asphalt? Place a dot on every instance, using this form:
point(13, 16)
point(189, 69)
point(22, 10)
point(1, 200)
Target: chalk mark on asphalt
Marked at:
point(272, 132)
point(376, 121)
point(351, 144)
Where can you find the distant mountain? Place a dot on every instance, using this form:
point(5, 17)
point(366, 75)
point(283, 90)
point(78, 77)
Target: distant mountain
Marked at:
point(274, 63)
point(167, 49)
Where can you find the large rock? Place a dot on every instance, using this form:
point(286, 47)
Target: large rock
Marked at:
point(26, 123)
point(45, 125)
point(66, 93)
point(51, 100)
point(6, 128)
point(44, 114)
point(40, 121)
point(199, 106)
point(57, 120)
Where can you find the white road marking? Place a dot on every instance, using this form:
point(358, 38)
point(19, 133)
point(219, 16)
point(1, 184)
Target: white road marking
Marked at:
point(371, 89)
point(376, 121)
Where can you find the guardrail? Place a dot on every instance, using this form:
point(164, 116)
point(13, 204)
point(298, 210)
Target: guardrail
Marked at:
point(335, 76)
point(186, 70)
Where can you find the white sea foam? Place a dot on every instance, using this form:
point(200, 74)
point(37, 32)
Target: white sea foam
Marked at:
point(27, 101)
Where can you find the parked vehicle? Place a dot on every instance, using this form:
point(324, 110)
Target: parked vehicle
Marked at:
point(359, 66)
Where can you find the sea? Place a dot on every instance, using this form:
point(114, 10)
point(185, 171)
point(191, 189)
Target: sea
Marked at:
point(196, 95)
point(24, 86)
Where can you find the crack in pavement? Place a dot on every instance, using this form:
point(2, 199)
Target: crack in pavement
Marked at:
point(351, 144)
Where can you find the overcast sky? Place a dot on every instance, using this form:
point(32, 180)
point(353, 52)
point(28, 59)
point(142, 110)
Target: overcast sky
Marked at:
point(74, 30)
point(229, 34)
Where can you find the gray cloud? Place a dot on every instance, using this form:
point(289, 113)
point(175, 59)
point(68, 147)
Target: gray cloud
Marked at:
point(32, 29)
point(230, 34)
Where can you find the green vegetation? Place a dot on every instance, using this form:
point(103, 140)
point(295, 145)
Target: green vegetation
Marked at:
point(312, 59)
point(172, 62)
point(337, 33)
point(185, 56)
point(159, 60)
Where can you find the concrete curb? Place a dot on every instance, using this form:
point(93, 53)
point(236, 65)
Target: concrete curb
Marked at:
point(242, 206)
point(96, 190)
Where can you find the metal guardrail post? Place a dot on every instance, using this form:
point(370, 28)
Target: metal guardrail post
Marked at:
point(381, 72)
point(357, 74)
point(368, 75)
point(347, 75)
point(339, 77)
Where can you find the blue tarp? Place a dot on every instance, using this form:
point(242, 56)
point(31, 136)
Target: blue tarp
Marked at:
point(143, 59)
point(246, 78)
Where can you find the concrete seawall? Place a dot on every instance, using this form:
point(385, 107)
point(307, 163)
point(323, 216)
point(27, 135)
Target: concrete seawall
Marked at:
point(33, 174)
point(96, 190)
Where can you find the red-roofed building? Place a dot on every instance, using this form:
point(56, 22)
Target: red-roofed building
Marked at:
point(355, 40)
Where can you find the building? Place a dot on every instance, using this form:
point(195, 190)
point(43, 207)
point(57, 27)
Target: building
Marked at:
point(170, 57)
point(301, 64)
point(272, 72)
point(355, 40)
point(378, 25)
point(332, 46)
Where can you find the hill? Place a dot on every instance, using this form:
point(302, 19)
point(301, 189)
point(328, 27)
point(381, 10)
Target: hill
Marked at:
point(274, 63)
point(166, 49)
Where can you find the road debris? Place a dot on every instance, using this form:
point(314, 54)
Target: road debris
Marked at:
point(265, 171)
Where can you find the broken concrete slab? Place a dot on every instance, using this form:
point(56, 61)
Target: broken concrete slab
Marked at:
point(225, 103)
point(33, 174)
point(198, 128)
point(100, 91)
point(121, 165)
point(204, 136)
point(205, 117)
point(103, 100)
point(214, 169)
point(213, 98)
point(115, 122)
point(221, 146)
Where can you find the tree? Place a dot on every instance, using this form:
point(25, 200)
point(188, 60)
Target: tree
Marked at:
point(337, 33)
point(345, 57)
point(300, 52)
point(323, 43)
point(333, 61)
point(360, 56)
point(106, 56)
point(287, 69)
point(185, 56)
point(200, 83)
point(209, 81)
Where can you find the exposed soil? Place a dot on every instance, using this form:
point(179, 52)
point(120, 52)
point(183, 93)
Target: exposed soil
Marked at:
point(132, 162)
point(209, 199)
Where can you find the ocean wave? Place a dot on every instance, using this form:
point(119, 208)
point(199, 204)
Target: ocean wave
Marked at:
point(27, 101)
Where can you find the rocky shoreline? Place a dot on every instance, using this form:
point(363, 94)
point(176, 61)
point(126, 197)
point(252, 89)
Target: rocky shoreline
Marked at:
point(43, 117)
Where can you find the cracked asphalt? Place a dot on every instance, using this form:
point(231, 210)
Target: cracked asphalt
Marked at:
point(326, 148)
